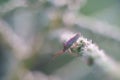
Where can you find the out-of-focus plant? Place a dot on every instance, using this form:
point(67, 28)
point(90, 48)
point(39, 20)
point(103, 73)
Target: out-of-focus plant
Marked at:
point(31, 27)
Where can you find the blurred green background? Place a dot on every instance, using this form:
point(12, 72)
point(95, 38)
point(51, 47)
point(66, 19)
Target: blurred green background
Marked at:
point(40, 23)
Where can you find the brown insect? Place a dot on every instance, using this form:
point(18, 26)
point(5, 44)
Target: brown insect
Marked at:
point(67, 45)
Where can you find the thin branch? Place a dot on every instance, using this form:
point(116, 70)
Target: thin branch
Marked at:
point(15, 42)
point(92, 24)
point(99, 27)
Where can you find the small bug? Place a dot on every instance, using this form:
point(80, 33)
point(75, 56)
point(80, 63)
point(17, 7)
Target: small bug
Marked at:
point(68, 44)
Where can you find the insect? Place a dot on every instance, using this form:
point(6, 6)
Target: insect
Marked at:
point(67, 45)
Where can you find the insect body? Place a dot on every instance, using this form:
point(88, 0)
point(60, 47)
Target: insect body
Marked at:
point(68, 44)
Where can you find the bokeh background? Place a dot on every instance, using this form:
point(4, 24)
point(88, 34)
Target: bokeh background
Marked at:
point(30, 34)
